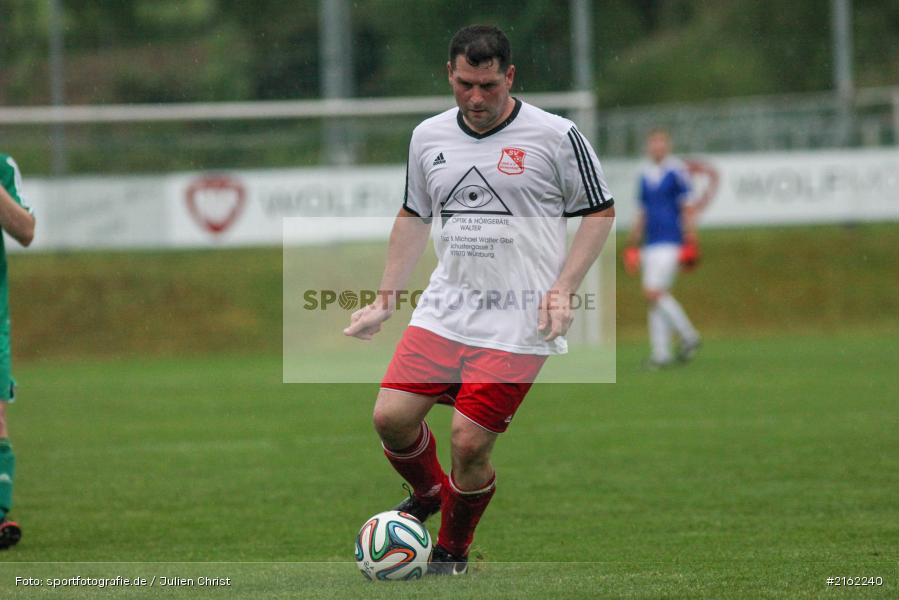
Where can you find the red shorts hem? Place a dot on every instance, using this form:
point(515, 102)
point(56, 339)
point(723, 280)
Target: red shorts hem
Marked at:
point(430, 365)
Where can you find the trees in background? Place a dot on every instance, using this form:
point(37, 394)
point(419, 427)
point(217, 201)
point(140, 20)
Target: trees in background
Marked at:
point(646, 50)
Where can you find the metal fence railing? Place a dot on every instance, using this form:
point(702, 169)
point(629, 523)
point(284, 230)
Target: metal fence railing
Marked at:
point(764, 123)
point(171, 137)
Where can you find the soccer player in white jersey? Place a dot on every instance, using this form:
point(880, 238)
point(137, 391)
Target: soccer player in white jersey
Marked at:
point(666, 225)
point(498, 178)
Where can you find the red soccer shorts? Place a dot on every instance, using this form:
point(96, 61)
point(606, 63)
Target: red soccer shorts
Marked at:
point(485, 385)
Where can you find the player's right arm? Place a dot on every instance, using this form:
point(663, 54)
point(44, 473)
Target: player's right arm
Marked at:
point(15, 219)
point(638, 228)
point(408, 240)
point(636, 235)
point(631, 255)
point(698, 167)
point(694, 208)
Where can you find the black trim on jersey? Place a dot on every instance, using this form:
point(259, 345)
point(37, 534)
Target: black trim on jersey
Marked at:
point(406, 198)
point(580, 168)
point(426, 220)
point(589, 161)
point(479, 136)
point(590, 209)
point(411, 210)
point(406, 189)
point(587, 170)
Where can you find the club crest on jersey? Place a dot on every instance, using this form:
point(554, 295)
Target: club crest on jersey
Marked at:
point(511, 161)
point(215, 202)
point(472, 194)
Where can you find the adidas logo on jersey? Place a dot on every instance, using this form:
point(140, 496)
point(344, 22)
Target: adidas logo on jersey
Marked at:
point(439, 160)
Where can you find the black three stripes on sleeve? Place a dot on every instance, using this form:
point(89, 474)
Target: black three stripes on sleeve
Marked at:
point(587, 169)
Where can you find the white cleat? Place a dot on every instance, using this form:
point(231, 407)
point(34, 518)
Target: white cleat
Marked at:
point(688, 350)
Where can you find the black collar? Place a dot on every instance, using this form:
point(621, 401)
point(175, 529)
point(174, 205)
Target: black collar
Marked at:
point(479, 136)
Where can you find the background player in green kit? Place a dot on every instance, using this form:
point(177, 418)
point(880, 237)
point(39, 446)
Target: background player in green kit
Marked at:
point(16, 220)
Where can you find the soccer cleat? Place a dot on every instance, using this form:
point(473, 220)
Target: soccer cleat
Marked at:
point(651, 364)
point(10, 534)
point(419, 509)
point(444, 563)
point(688, 350)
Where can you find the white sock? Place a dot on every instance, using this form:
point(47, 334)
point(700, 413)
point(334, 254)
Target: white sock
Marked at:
point(659, 334)
point(675, 314)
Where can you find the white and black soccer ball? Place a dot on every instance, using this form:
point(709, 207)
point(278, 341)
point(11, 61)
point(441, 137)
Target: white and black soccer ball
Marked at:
point(393, 545)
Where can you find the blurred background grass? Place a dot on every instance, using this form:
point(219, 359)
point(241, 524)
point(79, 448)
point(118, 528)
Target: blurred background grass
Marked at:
point(752, 282)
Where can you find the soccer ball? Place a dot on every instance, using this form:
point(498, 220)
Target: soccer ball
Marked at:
point(393, 545)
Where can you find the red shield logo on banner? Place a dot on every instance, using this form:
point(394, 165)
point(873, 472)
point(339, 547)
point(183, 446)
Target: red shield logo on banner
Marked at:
point(215, 202)
point(511, 161)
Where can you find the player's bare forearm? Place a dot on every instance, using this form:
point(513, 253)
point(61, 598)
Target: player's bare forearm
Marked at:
point(711, 173)
point(408, 240)
point(588, 242)
point(554, 314)
point(15, 220)
point(636, 234)
point(691, 215)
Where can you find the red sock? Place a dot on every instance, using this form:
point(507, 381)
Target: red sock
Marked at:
point(419, 466)
point(460, 513)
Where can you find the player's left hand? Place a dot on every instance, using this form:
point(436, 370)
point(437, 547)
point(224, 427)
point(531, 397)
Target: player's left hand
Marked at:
point(689, 254)
point(554, 316)
point(631, 259)
point(366, 322)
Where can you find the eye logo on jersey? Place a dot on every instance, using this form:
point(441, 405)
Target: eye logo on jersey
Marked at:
point(511, 161)
point(472, 194)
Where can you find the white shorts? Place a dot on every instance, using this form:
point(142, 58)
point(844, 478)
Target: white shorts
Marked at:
point(660, 265)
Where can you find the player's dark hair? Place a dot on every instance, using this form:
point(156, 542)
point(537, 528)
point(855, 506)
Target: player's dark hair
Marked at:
point(479, 44)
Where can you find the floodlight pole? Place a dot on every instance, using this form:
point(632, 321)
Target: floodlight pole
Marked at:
point(336, 70)
point(582, 61)
point(841, 33)
point(57, 86)
point(596, 280)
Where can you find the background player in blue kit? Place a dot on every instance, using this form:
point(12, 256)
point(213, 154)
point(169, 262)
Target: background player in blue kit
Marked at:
point(666, 225)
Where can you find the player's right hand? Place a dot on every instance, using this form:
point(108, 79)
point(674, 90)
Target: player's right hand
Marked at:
point(554, 314)
point(631, 259)
point(366, 322)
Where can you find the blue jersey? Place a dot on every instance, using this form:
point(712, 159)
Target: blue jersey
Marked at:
point(664, 189)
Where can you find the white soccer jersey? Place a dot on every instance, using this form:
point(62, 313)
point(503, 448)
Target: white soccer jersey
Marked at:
point(499, 201)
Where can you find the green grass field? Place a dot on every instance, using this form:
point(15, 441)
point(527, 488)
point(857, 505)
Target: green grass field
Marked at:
point(759, 471)
point(155, 438)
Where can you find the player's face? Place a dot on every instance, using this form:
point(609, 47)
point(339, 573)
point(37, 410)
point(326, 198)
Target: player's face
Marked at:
point(482, 92)
point(658, 146)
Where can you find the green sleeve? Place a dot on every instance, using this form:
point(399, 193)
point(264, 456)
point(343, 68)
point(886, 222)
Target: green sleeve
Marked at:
point(11, 178)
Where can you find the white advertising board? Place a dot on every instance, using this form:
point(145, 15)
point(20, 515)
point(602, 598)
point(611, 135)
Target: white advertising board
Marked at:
point(247, 208)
